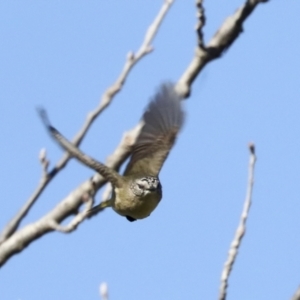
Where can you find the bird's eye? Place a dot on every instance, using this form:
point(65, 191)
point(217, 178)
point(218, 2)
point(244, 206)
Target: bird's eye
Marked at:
point(140, 186)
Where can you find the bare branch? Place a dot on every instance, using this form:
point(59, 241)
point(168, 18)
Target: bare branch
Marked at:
point(296, 296)
point(24, 236)
point(106, 99)
point(79, 217)
point(222, 40)
point(234, 247)
point(14, 223)
point(201, 23)
point(132, 59)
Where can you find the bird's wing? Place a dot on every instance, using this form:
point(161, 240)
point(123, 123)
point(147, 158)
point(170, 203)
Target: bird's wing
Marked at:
point(162, 121)
point(108, 173)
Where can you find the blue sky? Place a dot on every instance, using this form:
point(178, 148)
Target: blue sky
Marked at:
point(63, 55)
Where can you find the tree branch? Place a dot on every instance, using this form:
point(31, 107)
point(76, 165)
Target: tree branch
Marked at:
point(221, 41)
point(79, 217)
point(122, 152)
point(236, 243)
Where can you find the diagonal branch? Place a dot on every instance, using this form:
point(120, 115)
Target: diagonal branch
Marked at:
point(221, 41)
point(236, 243)
point(106, 99)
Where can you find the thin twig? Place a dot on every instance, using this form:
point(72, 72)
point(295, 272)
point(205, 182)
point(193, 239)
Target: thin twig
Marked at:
point(236, 243)
point(106, 99)
point(14, 223)
point(201, 23)
point(79, 217)
point(132, 58)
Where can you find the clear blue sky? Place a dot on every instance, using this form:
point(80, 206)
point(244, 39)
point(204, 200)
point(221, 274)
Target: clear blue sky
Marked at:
point(63, 55)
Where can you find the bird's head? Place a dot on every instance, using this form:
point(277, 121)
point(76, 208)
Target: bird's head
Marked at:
point(146, 185)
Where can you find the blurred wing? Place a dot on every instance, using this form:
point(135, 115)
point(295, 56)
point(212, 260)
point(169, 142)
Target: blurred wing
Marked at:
point(162, 121)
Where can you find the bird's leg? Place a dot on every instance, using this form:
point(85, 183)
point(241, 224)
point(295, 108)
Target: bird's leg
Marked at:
point(99, 207)
point(130, 219)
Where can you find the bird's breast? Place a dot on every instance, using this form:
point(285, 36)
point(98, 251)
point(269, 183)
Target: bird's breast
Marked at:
point(126, 203)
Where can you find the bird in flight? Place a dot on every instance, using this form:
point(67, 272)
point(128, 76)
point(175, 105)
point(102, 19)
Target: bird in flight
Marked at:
point(138, 191)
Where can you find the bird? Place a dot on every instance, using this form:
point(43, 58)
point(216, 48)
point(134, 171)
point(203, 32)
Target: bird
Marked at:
point(138, 191)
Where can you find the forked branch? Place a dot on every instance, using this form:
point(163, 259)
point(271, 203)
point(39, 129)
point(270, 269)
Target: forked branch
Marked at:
point(221, 41)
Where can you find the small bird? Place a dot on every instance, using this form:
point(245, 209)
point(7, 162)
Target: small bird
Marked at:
point(137, 193)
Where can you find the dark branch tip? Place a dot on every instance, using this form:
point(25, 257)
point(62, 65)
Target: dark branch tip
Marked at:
point(43, 114)
point(45, 119)
point(251, 147)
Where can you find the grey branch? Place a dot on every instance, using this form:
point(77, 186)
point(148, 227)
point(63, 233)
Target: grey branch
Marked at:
point(79, 217)
point(236, 243)
point(132, 58)
point(221, 41)
point(24, 236)
point(120, 155)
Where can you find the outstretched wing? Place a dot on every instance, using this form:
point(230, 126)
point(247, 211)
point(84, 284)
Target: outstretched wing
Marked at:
point(108, 173)
point(162, 121)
